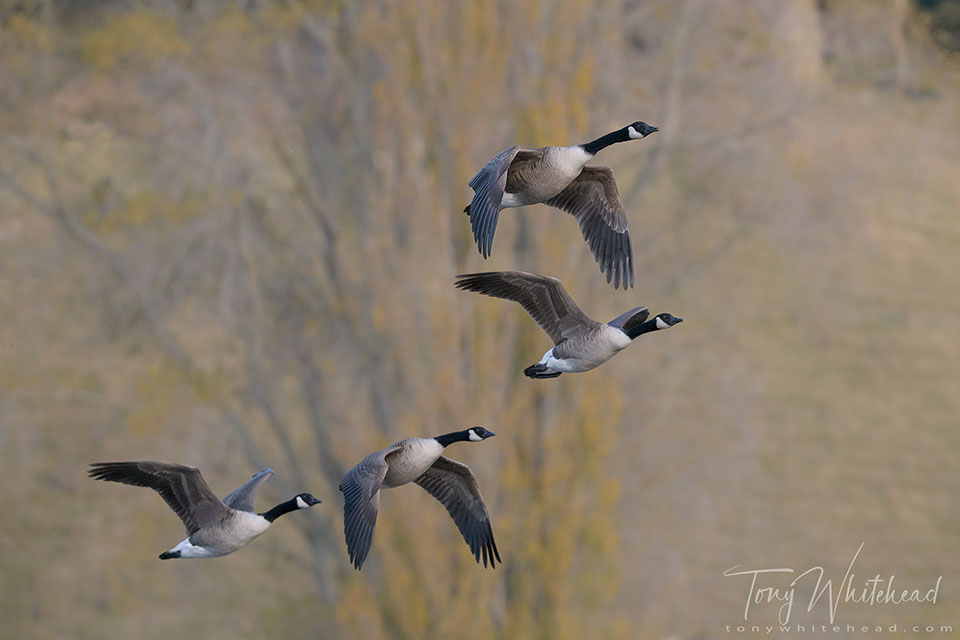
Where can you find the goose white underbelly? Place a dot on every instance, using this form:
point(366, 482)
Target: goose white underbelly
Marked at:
point(232, 534)
point(590, 352)
point(189, 550)
point(511, 200)
point(570, 364)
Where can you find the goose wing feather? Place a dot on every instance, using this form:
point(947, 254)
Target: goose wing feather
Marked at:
point(592, 198)
point(507, 170)
point(242, 498)
point(181, 486)
point(641, 313)
point(361, 503)
point(543, 297)
point(454, 486)
point(488, 186)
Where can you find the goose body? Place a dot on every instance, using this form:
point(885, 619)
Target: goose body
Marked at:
point(559, 177)
point(588, 350)
point(411, 460)
point(580, 343)
point(214, 527)
point(540, 174)
point(418, 460)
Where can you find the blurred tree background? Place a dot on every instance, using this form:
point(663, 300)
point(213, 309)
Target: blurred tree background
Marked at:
point(228, 236)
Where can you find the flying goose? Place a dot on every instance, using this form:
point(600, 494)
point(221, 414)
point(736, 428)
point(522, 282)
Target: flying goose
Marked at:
point(418, 460)
point(580, 344)
point(214, 527)
point(556, 176)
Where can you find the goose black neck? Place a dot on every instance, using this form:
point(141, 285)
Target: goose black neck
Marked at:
point(280, 509)
point(450, 438)
point(620, 135)
point(644, 327)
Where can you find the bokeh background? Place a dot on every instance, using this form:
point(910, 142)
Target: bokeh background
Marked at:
point(228, 237)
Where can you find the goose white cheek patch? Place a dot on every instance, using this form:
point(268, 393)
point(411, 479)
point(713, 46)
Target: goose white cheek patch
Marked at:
point(633, 133)
point(661, 324)
point(301, 504)
point(473, 436)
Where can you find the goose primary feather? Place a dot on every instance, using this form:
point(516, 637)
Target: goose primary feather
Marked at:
point(580, 344)
point(558, 177)
point(214, 527)
point(418, 460)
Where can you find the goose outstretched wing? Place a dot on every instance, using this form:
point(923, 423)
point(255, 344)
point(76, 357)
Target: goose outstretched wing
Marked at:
point(592, 198)
point(181, 486)
point(488, 186)
point(241, 499)
point(453, 484)
point(543, 297)
point(361, 503)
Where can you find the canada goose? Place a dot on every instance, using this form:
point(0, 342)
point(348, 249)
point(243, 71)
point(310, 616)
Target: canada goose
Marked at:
point(418, 460)
point(214, 528)
point(580, 344)
point(556, 176)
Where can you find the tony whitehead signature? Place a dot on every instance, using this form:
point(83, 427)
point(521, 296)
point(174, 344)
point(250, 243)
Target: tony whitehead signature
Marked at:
point(875, 590)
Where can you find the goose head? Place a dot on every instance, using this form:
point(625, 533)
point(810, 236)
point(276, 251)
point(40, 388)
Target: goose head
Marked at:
point(640, 129)
point(476, 434)
point(305, 500)
point(665, 320)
